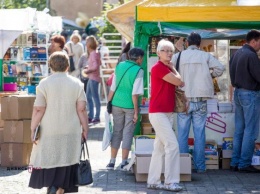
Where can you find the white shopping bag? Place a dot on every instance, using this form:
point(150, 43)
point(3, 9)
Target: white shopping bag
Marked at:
point(107, 135)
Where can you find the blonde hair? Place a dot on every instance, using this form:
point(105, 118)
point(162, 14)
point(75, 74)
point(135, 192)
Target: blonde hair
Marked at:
point(77, 35)
point(165, 43)
point(59, 61)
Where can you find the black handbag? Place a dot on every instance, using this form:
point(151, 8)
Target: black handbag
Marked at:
point(84, 173)
point(109, 104)
point(72, 65)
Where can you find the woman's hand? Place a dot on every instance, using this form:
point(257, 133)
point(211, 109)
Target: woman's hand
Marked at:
point(135, 118)
point(32, 137)
point(84, 135)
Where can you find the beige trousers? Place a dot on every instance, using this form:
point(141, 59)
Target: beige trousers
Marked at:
point(166, 150)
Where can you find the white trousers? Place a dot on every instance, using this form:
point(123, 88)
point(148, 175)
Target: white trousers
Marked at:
point(166, 150)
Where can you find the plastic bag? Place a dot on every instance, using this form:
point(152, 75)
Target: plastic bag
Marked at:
point(107, 135)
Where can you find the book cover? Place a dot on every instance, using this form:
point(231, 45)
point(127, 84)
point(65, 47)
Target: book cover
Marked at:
point(7, 55)
point(26, 53)
point(34, 53)
point(14, 53)
point(34, 39)
point(29, 38)
point(42, 53)
point(24, 39)
point(41, 39)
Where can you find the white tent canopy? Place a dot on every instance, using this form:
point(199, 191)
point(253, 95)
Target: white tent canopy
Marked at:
point(14, 21)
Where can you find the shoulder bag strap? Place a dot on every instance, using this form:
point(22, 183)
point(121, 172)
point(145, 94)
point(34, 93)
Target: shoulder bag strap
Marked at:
point(178, 62)
point(71, 48)
point(120, 81)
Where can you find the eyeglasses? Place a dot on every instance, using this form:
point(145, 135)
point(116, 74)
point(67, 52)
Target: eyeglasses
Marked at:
point(167, 51)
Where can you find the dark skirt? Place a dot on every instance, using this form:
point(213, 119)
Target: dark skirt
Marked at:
point(60, 177)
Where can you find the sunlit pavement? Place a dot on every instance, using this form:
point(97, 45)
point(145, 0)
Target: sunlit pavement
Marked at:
point(121, 182)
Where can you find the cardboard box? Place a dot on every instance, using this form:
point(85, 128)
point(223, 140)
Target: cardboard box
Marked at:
point(15, 154)
point(1, 120)
point(226, 163)
point(144, 144)
point(17, 131)
point(1, 135)
point(147, 129)
point(227, 153)
point(17, 107)
point(212, 161)
point(145, 118)
point(142, 163)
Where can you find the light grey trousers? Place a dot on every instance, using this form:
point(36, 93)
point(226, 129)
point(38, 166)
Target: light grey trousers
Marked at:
point(123, 129)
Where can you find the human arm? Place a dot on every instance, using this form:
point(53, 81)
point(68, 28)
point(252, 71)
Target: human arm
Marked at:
point(216, 67)
point(83, 117)
point(136, 109)
point(254, 67)
point(94, 62)
point(138, 89)
point(112, 89)
point(174, 78)
point(37, 115)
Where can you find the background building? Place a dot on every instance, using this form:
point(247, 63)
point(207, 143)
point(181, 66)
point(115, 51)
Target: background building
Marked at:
point(69, 9)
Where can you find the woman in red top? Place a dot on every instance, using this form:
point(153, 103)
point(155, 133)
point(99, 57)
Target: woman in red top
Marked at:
point(164, 78)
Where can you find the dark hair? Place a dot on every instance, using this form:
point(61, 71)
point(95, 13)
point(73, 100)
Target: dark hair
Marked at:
point(135, 53)
point(126, 48)
point(59, 61)
point(59, 39)
point(194, 39)
point(252, 35)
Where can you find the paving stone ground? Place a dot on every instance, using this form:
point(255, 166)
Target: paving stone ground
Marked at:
point(121, 182)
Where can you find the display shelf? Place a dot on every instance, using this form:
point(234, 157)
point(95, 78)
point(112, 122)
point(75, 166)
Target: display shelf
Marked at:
point(26, 58)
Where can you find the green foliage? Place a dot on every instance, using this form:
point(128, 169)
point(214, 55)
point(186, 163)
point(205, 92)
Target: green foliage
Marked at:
point(17, 4)
point(101, 22)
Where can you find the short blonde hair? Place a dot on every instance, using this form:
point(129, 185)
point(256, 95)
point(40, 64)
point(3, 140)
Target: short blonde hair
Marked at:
point(165, 43)
point(75, 35)
point(59, 61)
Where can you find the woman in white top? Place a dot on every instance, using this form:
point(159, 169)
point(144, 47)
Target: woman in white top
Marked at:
point(76, 50)
point(60, 109)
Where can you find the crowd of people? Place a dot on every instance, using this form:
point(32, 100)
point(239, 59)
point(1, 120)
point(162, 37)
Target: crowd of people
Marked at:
point(62, 100)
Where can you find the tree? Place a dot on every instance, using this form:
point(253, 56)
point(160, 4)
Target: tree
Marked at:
point(18, 4)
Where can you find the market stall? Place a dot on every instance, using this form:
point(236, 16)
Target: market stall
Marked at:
point(221, 21)
point(23, 43)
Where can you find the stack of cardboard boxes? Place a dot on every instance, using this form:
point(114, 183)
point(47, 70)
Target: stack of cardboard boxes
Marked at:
point(146, 126)
point(211, 155)
point(143, 147)
point(16, 146)
point(227, 149)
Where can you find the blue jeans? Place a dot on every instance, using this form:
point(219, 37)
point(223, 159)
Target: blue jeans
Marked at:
point(92, 94)
point(247, 115)
point(197, 115)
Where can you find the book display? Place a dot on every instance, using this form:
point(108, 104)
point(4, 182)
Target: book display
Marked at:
point(25, 62)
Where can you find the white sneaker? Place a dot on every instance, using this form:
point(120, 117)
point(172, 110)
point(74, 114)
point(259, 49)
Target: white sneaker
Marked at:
point(155, 186)
point(172, 187)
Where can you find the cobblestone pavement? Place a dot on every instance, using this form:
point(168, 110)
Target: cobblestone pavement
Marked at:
point(121, 182)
